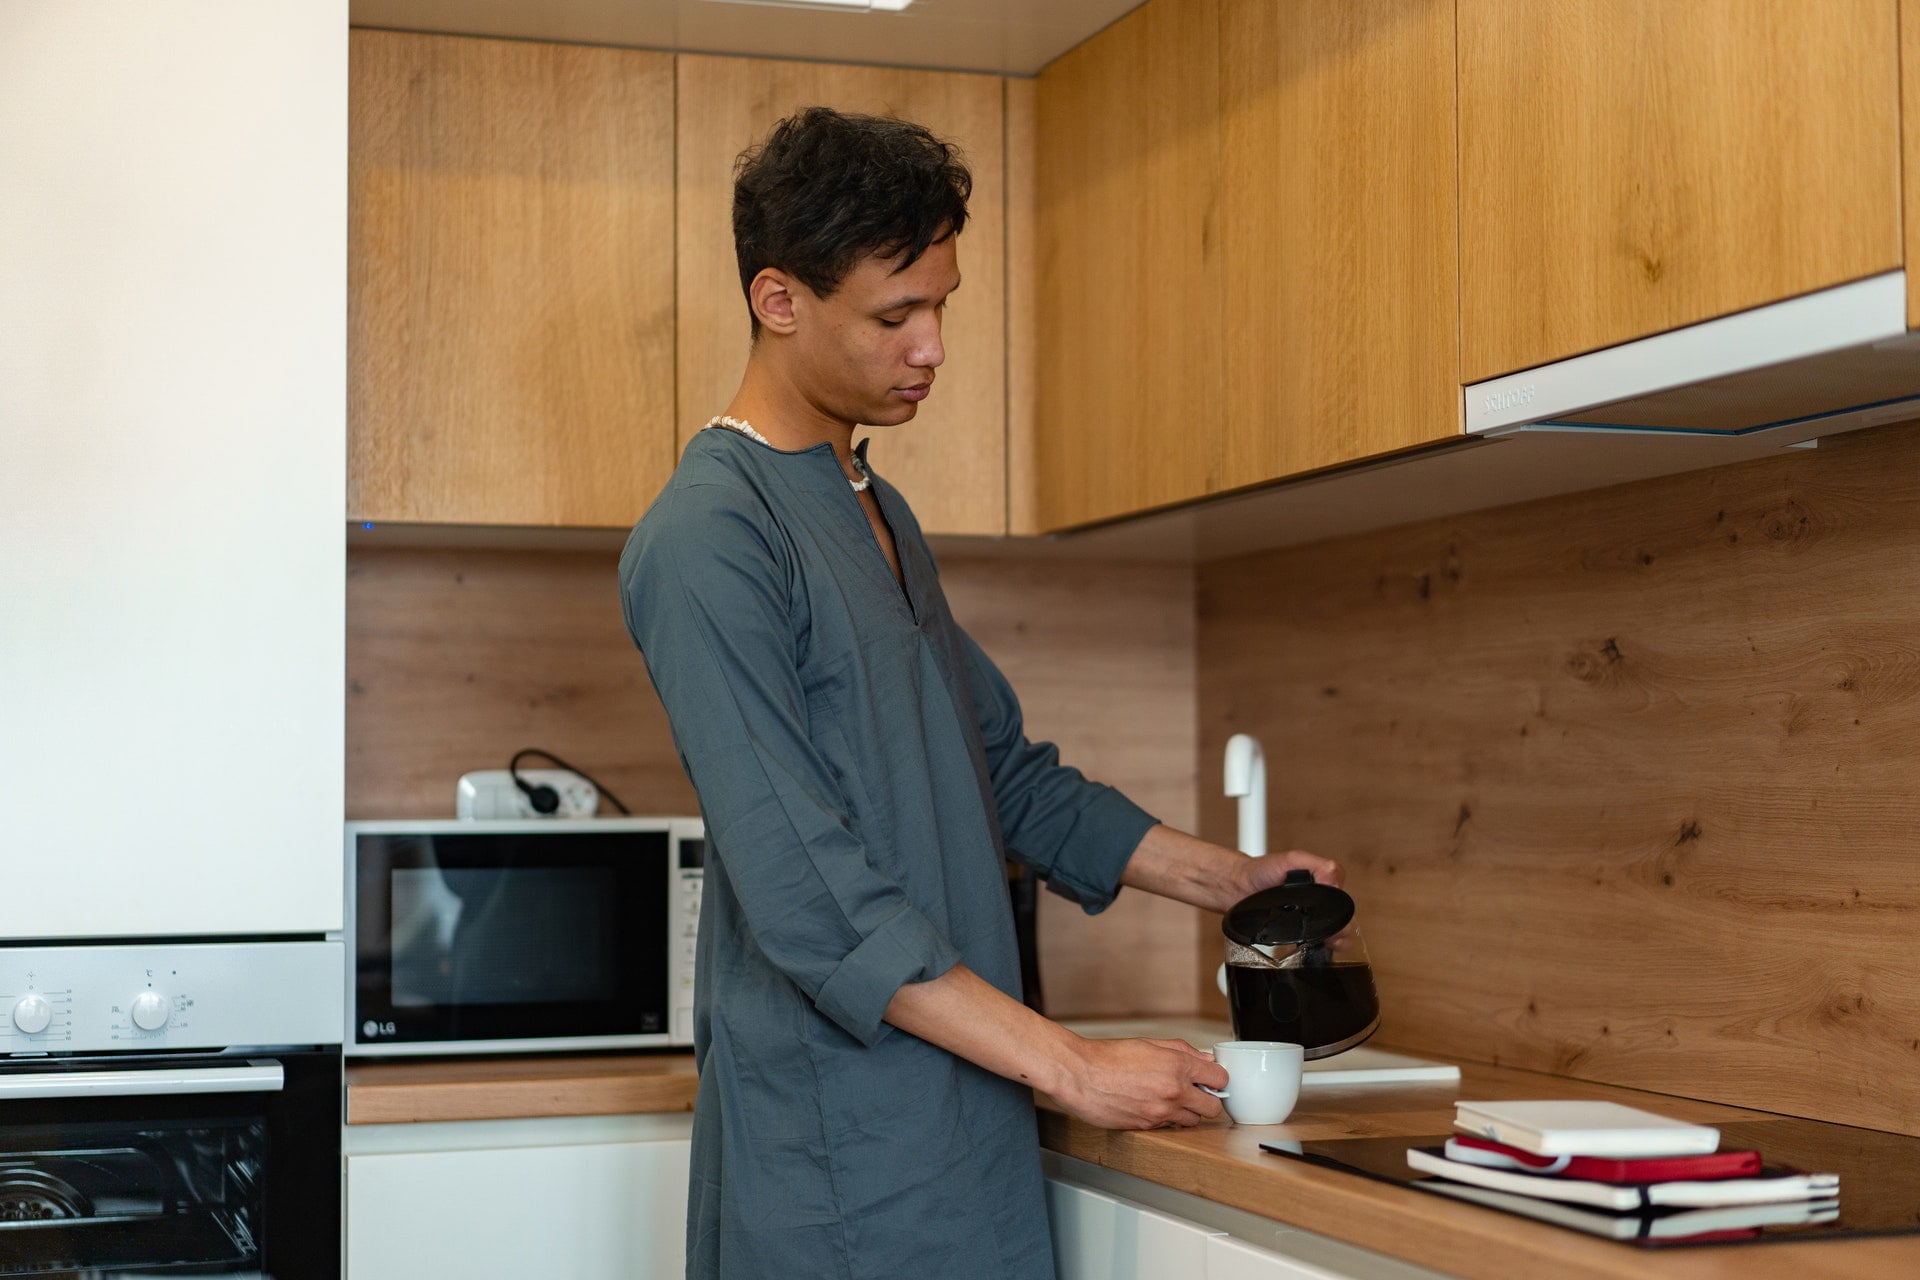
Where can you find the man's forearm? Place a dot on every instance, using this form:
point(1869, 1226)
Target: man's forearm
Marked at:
point(967, 1016)
point(1185, 868)
point(1117, 1084)
point(1188, 869)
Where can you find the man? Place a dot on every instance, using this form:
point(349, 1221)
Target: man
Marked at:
point(866, 1065)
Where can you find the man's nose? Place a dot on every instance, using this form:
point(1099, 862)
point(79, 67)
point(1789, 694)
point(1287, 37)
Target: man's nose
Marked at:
point(928, 352)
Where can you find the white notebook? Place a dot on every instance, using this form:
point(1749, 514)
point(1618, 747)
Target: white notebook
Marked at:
point(1623, 1197)
point(1629, 1226)
point(1551, 1128)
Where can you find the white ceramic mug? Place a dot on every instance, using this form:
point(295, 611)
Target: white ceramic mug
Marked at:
point(1263, 1079)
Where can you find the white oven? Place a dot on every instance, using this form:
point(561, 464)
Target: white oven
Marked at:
point(170, 1107)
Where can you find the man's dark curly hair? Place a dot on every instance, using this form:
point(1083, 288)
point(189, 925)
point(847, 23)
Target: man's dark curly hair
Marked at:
point(827, 189)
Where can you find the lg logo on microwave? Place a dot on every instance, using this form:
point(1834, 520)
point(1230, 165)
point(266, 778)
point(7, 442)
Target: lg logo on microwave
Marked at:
point(372, 1030)
point(1517, 398)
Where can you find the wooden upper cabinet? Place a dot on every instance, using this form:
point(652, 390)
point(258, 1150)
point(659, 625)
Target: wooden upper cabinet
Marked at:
point(1341, 330)
point(1246, 249)
point(1910, 146)
point(951, 459)
point(1633, 166)
point(511, 277)
point(1128, 379)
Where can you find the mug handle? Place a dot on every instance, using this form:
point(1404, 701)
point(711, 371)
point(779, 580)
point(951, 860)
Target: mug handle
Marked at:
point(1218, 1093)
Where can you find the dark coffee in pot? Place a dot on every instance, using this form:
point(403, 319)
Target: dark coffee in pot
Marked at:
point(1325, 1008)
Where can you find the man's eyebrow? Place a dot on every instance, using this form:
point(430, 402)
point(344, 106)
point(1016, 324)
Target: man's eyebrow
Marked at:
point(899, 304)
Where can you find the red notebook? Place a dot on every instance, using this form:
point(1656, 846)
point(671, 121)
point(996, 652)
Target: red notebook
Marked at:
point(1495, 1155)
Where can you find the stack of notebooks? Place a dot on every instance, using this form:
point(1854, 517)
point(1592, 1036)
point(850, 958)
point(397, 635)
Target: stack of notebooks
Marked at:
point(1619, 1171)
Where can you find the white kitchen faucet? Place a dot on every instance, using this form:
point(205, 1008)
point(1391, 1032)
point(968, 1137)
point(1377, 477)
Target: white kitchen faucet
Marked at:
point(1247, 779)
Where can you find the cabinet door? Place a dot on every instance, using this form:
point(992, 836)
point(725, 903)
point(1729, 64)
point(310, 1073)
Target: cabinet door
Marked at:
point(172, 438)
point(604, 1211)
point(1236, 1260)
point(1246, 255)
point(950, 460)
point(1910, 145)
point(1632, 166)
point(1339, 213)
point(510, 281)
point(1096, 1237)
point(1129, 387)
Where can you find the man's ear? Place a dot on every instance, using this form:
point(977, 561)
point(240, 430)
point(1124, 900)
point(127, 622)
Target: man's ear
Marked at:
point(772, 296)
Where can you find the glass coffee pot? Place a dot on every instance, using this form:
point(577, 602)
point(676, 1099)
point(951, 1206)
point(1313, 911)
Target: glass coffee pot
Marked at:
point(1297, 970)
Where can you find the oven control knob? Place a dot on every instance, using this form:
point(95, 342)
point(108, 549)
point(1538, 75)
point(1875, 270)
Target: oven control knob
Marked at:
point(32, 1014)
point(149, 1011)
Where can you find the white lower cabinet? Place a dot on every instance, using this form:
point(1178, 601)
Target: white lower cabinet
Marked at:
point(1229, 1259)
point(1096, 1237)
point(582, 1210)
point(1111, 1226)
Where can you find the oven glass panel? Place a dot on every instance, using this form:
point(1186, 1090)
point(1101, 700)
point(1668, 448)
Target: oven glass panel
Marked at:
point(149, 1196)
point(136, 1185)
point(501, 936)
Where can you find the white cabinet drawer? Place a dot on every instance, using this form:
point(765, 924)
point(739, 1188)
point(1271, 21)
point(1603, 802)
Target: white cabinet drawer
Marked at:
point(1230, 1259)
point(593, 1211)
point(1109, 1225)
point(1097, 1237)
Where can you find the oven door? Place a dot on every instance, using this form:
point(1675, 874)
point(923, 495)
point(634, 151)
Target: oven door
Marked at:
point(122, 1166)
point(510, 936)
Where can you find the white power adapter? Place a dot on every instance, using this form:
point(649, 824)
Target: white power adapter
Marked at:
point(490, 793)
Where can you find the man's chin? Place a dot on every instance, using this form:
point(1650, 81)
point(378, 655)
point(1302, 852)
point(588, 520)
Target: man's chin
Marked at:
point(893, 415)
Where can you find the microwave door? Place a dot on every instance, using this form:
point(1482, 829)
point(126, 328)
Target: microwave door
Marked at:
point(515, 939)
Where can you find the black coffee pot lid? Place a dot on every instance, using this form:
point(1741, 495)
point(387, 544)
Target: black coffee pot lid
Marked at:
point(1294, 912)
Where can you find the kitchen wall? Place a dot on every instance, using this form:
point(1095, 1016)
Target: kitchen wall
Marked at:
point(1625, 782)
point(458, 657)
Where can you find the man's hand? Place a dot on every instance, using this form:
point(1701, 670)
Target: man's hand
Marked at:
point(1255, 874)
point(1141, 1084)
point(1188, 869)
point(1117, 1084)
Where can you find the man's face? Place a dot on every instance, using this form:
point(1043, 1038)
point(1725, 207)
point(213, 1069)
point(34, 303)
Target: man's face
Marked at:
point(867, 352)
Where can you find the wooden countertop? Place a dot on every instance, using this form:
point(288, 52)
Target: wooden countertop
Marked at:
point(1218, 1161)
point(1223, 1163)
point(516, 1088)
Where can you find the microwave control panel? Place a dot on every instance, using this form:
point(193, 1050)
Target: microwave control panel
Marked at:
point(165, 996)
point(684, 932)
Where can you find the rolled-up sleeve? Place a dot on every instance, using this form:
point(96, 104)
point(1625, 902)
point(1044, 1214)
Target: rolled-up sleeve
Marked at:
point(1077, 834)
point(707, 599)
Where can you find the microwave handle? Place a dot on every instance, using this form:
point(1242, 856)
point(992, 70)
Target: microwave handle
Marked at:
point(255, 1077)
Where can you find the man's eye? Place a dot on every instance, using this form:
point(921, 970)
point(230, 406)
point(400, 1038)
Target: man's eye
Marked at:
point(891, 324)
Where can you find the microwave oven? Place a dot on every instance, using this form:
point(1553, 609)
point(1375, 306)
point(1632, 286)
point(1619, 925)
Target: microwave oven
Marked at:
point(521, 935)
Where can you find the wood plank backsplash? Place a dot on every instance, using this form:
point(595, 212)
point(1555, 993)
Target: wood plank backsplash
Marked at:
point(458, 657)
point(1627, 783)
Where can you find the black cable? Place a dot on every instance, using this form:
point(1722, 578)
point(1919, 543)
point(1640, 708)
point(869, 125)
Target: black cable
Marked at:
point(513, 771)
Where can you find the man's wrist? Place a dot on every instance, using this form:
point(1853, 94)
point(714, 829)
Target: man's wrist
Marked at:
point(1188, 869)
point(1057, 1062)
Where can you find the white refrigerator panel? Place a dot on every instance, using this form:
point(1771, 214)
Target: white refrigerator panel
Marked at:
point(172, 466)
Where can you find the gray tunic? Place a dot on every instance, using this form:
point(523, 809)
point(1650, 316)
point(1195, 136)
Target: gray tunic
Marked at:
point(859, 761)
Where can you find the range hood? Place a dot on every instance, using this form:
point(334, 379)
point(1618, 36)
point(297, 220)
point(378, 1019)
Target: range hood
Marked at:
point(1811, 366)
point(1740, 387)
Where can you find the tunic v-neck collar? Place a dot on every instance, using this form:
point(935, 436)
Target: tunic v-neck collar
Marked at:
point(824, 473)
point(889, 517)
